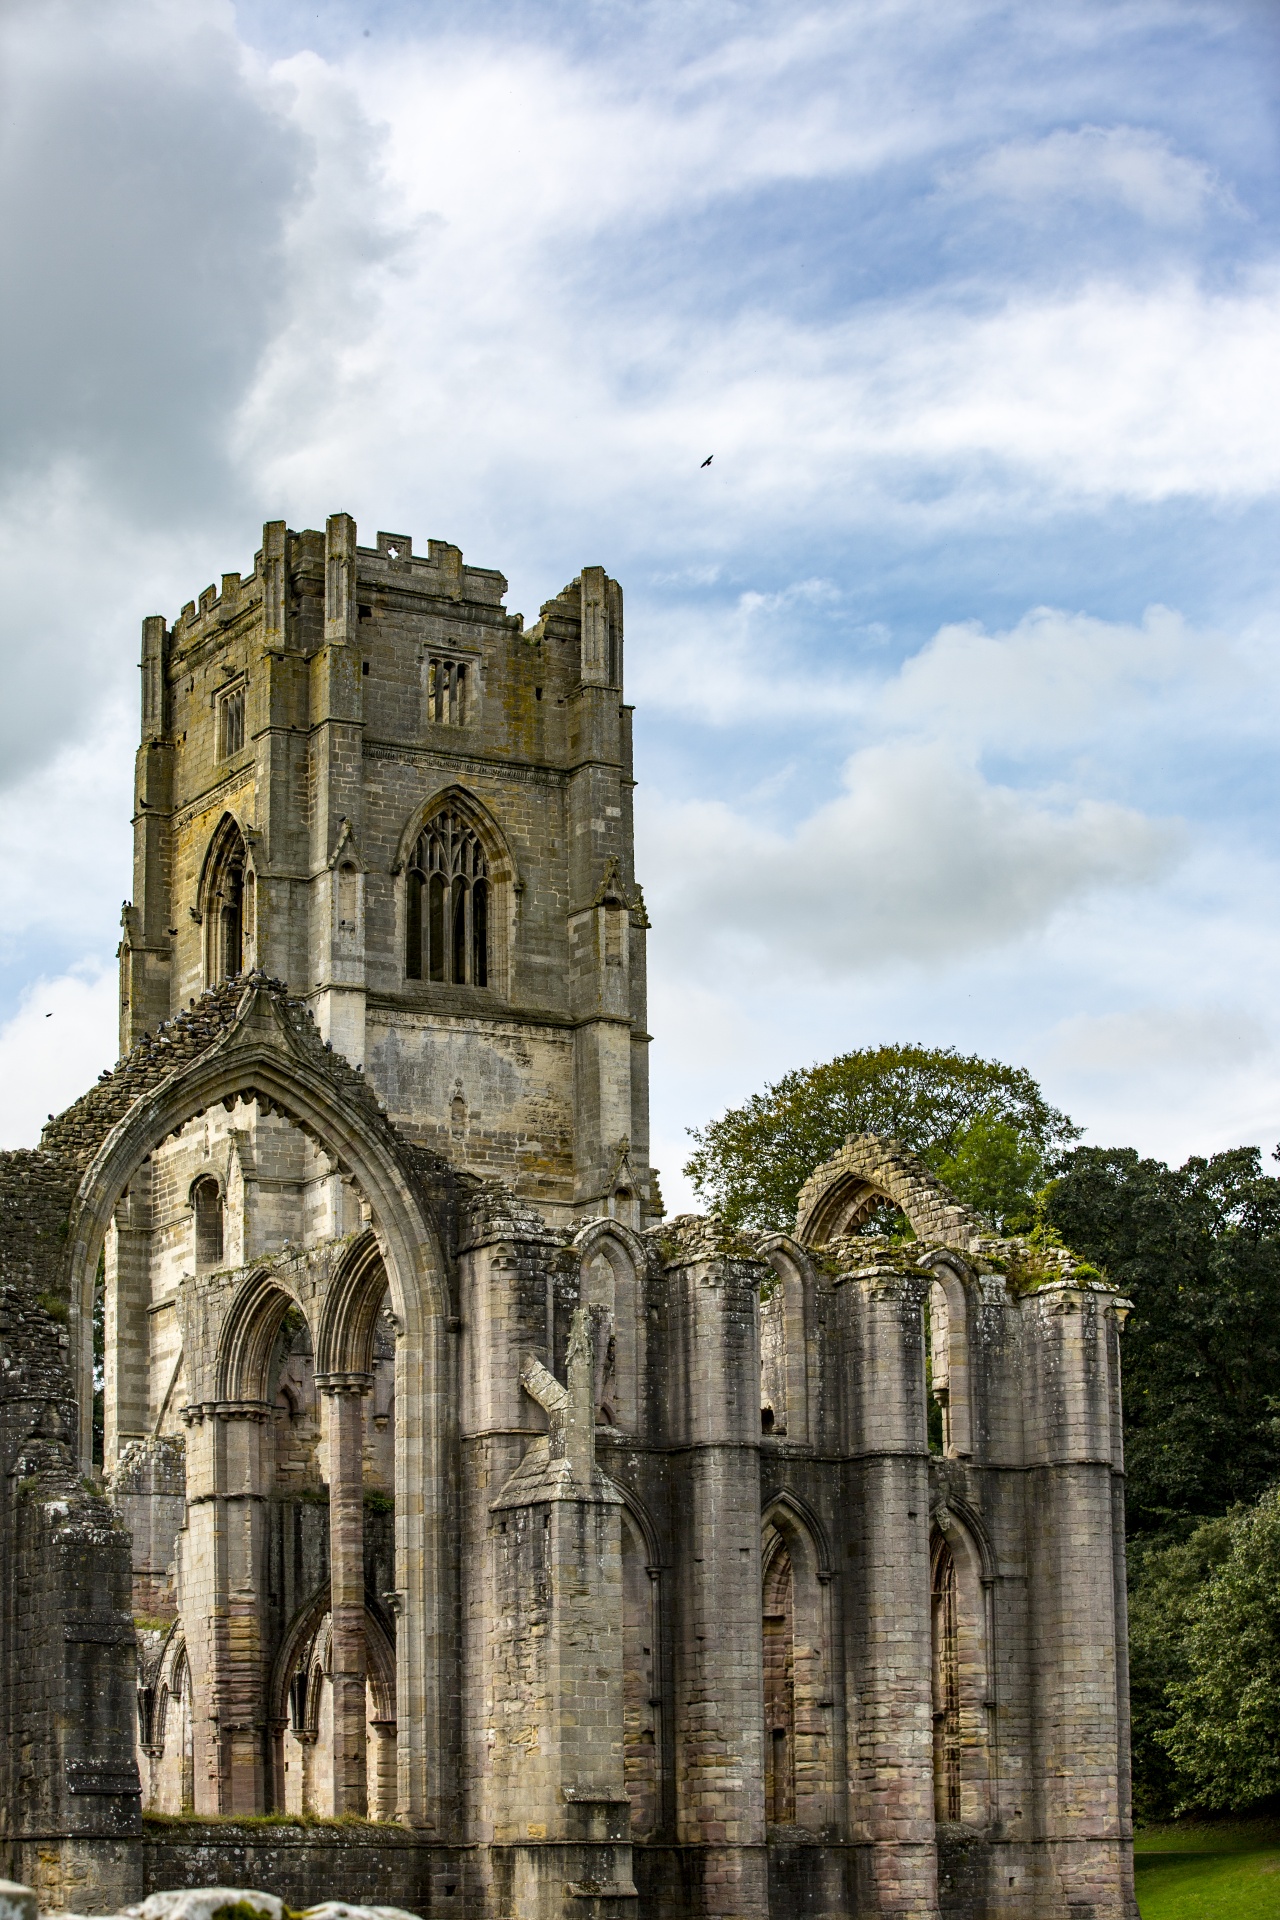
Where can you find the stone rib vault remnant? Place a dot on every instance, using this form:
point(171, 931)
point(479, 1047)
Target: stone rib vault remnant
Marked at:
point(555, 1559)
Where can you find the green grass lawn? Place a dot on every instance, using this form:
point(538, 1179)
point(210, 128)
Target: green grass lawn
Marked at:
point(1224, 1870)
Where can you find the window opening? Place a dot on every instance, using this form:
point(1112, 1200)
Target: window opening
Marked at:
point(946, 1687)
point(779, 1690)
point(228, 907)
point(231, 921)
point(231, 723)
point(447, 927)
point(448, 689)
point(206, 1200)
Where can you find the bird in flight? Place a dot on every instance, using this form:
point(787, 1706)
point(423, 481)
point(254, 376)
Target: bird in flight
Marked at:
point(707, 462)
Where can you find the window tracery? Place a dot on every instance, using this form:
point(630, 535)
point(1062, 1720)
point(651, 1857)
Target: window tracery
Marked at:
point(447, 922)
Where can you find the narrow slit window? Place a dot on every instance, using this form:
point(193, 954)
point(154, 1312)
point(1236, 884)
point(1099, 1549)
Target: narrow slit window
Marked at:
point(206, 1201)
point(231, 723)
point(447, 905)
point(946, 1686)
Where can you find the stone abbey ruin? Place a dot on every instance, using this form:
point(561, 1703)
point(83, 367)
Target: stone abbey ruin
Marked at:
point(468, 1536)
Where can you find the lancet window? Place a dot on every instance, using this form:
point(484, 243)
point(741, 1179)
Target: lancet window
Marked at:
point(206, 1205)
point(946, 1685)
point(779, 1689)
point(228, 906)
point(231, 722)
point(447, 925)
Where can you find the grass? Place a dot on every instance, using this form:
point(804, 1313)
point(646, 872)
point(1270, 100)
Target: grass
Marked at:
point(1215, 1870)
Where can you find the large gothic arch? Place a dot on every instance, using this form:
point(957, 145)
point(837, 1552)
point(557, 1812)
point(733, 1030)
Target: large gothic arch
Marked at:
point(267, 1051)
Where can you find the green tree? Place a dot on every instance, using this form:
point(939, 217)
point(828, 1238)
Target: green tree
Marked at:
point(1164, 1583)
point(1197, 1250)
point(1225, 1739)
point(985, 1128)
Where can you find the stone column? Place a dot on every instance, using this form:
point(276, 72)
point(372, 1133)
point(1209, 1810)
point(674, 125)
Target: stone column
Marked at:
point(345, 1392)
point(1076, 1597)
point(384, 1771)
point(891, 1757)
point(126, 1296)
point(714, 1429)
point(561, 1817)
point(221, 1602)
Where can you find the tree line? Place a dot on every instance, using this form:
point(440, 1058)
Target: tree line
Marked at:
point(1197, 1250)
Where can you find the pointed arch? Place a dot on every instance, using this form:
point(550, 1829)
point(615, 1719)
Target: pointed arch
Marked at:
point(612, 1263)
point(789, 1510)
point(170, 1772)
point(951, 1285)
point(839, 1195)
point(306, 1624)
point(796, 1314)
point(206, 1200)
point(353, 1299)
point(248, 1340)
point(800, 1759)
point(270, 1055)
point(963, 1668)
point(226, 903)
point(642, 1717)
point(457, 885)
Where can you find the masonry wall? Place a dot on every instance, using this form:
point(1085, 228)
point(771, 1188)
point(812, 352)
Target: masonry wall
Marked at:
point(69, 1790)
point(539, 1075)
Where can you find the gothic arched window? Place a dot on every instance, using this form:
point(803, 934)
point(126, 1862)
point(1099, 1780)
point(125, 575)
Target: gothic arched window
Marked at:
point(779, 1689)
point(946, 1685)
point(447, 922)
point(228, 905)
point(206, 1204)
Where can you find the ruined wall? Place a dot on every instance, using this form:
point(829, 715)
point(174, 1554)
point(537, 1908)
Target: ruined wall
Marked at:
point(68, 1781)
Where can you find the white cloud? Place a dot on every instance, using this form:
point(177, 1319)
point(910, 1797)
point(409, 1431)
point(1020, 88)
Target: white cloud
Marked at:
point(62, 1036)
point(66, 844)
point(734, 665)
point(919, 860)
point(513, 295)
point(1159, 1041)
point(146, 174)
point(1133, 167)
point(1061, 679)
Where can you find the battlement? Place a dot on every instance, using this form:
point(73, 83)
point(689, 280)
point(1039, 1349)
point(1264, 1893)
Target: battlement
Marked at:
point(391, 565)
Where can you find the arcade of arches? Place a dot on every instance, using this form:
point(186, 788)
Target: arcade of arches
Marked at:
point(374, 1520)
point(629, 1566)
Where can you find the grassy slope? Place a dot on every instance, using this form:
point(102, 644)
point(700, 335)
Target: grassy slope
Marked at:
point(1227, 1870)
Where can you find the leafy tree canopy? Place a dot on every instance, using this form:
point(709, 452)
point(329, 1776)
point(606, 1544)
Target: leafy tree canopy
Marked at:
point(1164, 1583)
point(1197, 1250)
point(1225, 1740)
point(985, 1129)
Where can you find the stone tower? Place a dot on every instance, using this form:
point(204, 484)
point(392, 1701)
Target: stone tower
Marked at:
point(525, 1556)
point(362, 775)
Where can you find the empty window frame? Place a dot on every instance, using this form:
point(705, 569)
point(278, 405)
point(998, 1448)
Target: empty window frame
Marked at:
point(447, 921)
point(946, 1686)
point(206, 1204)
point(231, 722)
point(448, 691)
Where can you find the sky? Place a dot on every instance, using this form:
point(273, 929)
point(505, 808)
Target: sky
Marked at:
point(956, 673)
